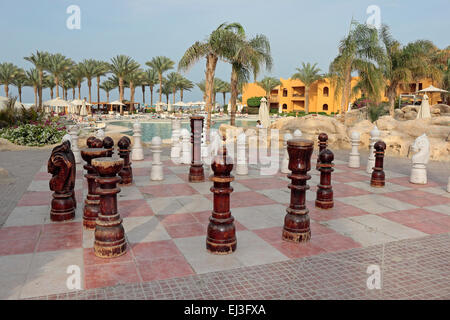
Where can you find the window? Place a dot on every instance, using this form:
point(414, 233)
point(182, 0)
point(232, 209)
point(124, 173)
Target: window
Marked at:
point(285, 106)
point(284, 92)
point(325, 107)
point(325, 91)
point(420, 86)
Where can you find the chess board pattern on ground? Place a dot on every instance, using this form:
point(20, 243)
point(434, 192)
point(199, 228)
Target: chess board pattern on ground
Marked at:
point(165, 223)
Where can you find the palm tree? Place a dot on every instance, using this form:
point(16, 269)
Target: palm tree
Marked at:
point(160, 64)
point(20, 81)
point(49, 82)
point(133, 78)
point(268, 84)
point(217, 45)
point(34, 80)
point(39, 60)
point(57, 65)
point(173, 81)
point(224, 88)
point(308, 74)
point(89, 69)
point(107, 86)
point(7, 73)
point(78, 75)
point(122, 66)
point(184, 84)
point(101, 69)
point(151, 79)
point(71, 83)
point(166, 90)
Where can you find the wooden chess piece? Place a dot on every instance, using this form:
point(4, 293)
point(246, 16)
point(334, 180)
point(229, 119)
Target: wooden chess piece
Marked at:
point(108, 144)
point(89, 141)
point(196, 173)
point(124, 152)
point(63, 169)
point(323, 142)
point(378, 177)
point(296, 223)
point(221, 234)
point(92, 203)
point(109, 232)
point(324, 196)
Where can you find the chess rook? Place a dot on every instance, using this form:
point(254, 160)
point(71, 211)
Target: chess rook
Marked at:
point(109, 232)
point(108, 144)
point(221, 233)
point(126, 173)
point(296, 222)
point(156, 172)
point(285, 161)
point(324, 195)
point(322, 144)
point(378, 178)
point(354, 159)
point(92, 202)
point(374, 137)
point(137, 152)
point(196, 172)
point(63, 169)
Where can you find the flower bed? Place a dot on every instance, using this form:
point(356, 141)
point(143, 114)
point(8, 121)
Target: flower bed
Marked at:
point(34, 135)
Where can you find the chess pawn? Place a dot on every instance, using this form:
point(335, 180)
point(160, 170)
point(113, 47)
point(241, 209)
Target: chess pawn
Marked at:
point(126, 172)
point(100, 134)
point(137, 152)
point(378, 177)
point(108, 144)
point(323, 139)
point(374, 137)
point(353, 160)
point(285, 160)
point(241, 161)
point(324, 196)
point(421, 147)
point(297, 134)
point(74, 144)
point(90, 141)
point(185, 147)
point(157, 169)
point(175, 151)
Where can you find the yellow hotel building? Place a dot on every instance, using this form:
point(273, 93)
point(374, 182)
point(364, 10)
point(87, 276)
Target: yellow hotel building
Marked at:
point(290, 95)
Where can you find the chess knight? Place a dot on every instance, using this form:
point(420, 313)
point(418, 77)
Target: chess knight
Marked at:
point(62, 166)
point(418, 171)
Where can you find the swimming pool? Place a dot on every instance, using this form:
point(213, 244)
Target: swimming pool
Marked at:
point(164, 129)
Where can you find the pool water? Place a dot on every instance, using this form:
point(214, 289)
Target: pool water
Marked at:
point(164, 129)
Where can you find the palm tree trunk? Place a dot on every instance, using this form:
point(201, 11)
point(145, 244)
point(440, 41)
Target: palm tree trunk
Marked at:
point(90, 85)
point(151, 95)
point(107, 96)
point(167, 96)
point(79, 90)
point(391, 93)
point(57, 87)
point(20, 93)
point(233, 84)
point(211, 62)
point(143, 94)
point(35, 89)
point(41, 78)
point(121, 94)
point(132, 89)
point(174, 93)
point(160, 86)
point(98, 90)
point(73, 93)
point(181, 94)
point(224, 97)
point(6, 90)
point(51, 93)
point(306, 99)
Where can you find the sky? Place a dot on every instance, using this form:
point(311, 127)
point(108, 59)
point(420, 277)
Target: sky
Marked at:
point(298, 31)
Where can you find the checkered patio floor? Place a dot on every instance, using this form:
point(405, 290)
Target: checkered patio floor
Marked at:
point(166, 221)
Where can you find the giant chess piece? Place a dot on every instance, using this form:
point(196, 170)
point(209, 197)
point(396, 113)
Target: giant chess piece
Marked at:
point(92, 201)
point(204, 146)
point(126, 173)
point(296, 223)
point(374, 137)
point(323, 142)
point(90, 141)
point(175, 151)
point(285, 160)
point(324, 195)
point(109, 233)
point(100, 134)
point(297, 134)
point(378, 178)
point(137, 152)
point(185, 147)
point(71, 157)
point(241, 155)
point(214, 146)
point(108, 144)
point(262, 141)
point(419, 160)
point(354, 158)
point(74, 143)
point(448, 185)
point(63, 169)
point(221, 234)
point(156, 172)
point(196, 173)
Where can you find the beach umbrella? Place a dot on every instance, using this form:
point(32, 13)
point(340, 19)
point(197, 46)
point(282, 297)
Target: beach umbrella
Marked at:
point(117, 103)
point(263, 114)
point(83, 111)
point(424, 110)
point(432, 89)
point(57, 103)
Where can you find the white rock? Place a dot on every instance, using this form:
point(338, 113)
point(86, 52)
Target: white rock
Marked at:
point(421, 147)
point(354, 157)
point(157, 169)
point(137, 152)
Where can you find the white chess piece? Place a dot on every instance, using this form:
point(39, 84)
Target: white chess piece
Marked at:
point(241, 161)
point(285, 161)
point(214, 145)
point(262, 150)
point(157, 169)
point(175, 151)
point(204, 145)
point(374, 137)
point(297, 134)
point(74, 143)
point(67, 137)
point(419, 160)
point(354, 159)
point(185, 146)
point(100, 134)
point(137, 152)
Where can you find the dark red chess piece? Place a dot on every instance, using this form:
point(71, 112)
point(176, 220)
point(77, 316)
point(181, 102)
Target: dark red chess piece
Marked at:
point(108, 144)
point(221, 234)
point(378, 177)
point(124, 152)
point(323, 142)
point(196, 173)
point(296, 223)
point(92, 203)
point(324, 196)
point(90, 141)
point(63, 169)
point(109, 233)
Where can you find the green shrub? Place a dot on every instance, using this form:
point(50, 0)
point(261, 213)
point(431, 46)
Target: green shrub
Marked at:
point(254, 101)
point(33, 135)
point(376, 111)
